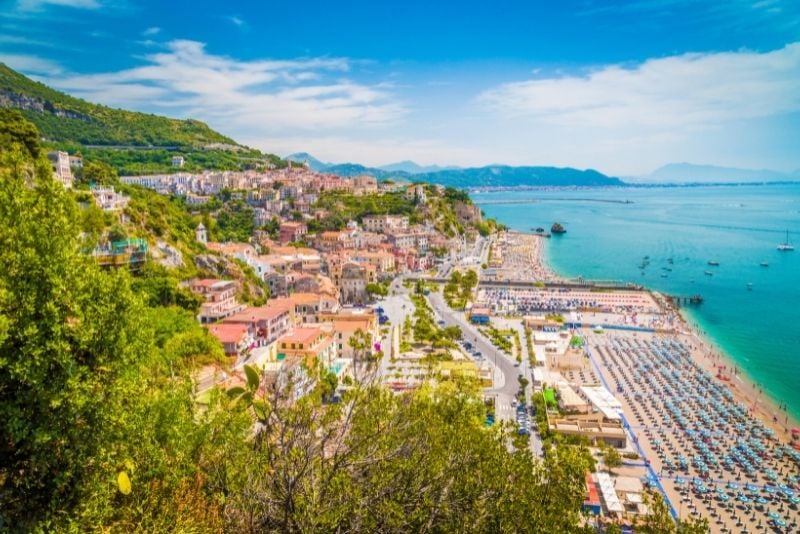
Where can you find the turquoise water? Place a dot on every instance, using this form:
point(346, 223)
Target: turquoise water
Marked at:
point(738, 226)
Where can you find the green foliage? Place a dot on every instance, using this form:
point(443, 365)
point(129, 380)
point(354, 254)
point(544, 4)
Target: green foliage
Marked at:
point(458, 289)
point(86, 123)
point(381, 290)
point(611, 457)
point(410, 463)
point(134, 161)
point(15, 129)
point(96, 172)
point(234, 222)
point(159, 286)
point(343, 207)
point(87, 388)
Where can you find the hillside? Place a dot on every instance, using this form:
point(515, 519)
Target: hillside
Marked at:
point(63, 118)
point(506, 176)
point(130, 141)
point(488, 176)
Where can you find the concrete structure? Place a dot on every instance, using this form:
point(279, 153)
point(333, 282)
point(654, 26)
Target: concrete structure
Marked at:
point(235, 338)
point(61, 168)
point(220, 298)
point(310, 344)
point(200, 234)
point(178, 161)
point(292, 231)
point(265, 323)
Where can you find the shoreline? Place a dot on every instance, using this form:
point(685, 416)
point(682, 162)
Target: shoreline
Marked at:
point(709, 354)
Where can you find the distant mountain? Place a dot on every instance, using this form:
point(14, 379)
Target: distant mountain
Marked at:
point(507, 176)
point(488, 176)
point(305, 157)
point(411, 167)
point(680, 173)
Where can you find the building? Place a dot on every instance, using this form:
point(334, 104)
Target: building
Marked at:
point(61, 167)
point(310, 344)
point(364, 185)
point(479, 315)
point(265, 323)
point(384, 223)
point(235, 338)
point(200, 234)
point(178, 161)
point(292, 231)
point(354, 280)
point(220, 298)
point(416, 193)
point(108, 199)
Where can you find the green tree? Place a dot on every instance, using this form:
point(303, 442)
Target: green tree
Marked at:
point(97, 172)
point(14, 129)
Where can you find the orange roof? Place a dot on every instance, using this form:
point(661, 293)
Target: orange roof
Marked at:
point(228, 333)
point(351, 325)
point(271, 310)
point(304, 298)
point(205, 282)
point(301, 335)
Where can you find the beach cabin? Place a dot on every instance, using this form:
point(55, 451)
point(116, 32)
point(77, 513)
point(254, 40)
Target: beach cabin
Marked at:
point(479, 314)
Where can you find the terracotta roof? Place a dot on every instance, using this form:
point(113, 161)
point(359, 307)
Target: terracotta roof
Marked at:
point(271, 310)
point(228, 333)
point(301, 335)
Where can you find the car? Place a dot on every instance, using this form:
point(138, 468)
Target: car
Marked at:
point(440, 322)
point(513, 402)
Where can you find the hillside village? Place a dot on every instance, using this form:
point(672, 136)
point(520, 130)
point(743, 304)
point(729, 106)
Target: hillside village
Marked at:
point(319, 278)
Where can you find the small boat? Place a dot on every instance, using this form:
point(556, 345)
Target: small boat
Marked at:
point(764, 264)
point(708, 273)
point(749, 286)
point(786, 246)
point(663, 276)
point(670, 261)
point(666, 269)
point(713, 263)
point(646, 258)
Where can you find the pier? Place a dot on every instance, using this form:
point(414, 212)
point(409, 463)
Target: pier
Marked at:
point(680, 300)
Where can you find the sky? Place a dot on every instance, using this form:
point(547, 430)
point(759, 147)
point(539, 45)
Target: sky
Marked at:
point(621, 87)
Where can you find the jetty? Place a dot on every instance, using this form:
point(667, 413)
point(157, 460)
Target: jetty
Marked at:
point(685, 299)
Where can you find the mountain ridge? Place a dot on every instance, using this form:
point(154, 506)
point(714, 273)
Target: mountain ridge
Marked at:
point(685, 173)
point(485, 176)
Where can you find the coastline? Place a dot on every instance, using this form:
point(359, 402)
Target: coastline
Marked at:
point(709, 354)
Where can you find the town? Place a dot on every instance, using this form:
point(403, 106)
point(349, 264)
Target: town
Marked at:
point(402, 300)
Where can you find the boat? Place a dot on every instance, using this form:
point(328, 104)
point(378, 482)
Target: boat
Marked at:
point(708, 273)
point(663, 276)
point(749, 286)
point(786, 246)
point(713, 263)
point(764, 264)
point(557, 228)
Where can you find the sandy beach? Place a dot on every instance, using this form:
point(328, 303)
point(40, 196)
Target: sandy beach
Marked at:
point(710, 439)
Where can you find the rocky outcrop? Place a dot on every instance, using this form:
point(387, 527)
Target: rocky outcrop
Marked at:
point(10, 99)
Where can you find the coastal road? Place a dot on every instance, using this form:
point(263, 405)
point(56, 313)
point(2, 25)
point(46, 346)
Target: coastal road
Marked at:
point(506, 388)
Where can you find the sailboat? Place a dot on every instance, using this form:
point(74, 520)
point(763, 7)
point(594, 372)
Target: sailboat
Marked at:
point(786, 246)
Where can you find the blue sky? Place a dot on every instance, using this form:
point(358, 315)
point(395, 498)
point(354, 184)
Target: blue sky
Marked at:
point(623, 87)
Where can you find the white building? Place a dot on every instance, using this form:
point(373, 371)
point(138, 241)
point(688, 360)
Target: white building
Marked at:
point(61, 168)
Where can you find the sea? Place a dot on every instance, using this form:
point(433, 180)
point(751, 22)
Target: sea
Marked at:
point(611, 230)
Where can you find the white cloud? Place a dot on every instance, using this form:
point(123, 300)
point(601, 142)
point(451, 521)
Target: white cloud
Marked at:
point(690, 90)
point(30, 64)
point(249, 97)
point(153, 30)
point(236, 21)
point(38, 5)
